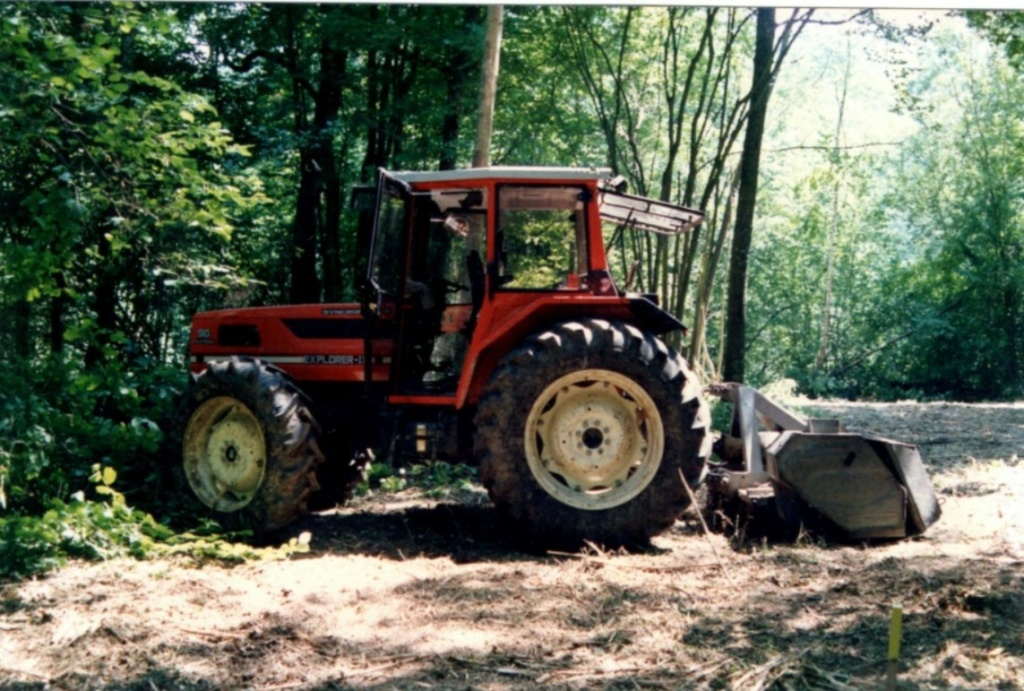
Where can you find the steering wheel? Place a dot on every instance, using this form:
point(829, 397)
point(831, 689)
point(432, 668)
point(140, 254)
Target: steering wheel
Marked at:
point(450, 287)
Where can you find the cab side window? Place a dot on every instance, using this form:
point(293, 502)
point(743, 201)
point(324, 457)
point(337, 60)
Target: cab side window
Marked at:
point(542, 234)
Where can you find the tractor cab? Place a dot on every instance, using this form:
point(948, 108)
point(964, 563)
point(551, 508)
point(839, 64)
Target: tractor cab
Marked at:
point(470, 261)
point(427, 268)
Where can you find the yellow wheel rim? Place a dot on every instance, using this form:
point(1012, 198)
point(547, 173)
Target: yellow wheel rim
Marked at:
point(225, 454)
point(594, 439)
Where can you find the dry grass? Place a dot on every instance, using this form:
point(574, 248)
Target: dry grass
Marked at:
point(411, 593)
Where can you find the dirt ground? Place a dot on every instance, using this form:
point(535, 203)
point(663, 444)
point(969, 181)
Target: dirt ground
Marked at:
point(406, 592)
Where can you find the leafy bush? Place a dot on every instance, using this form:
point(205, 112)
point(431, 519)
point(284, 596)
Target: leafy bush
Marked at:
point(66, 437)
point(55, 424)
point(106, 528)
point(381, 477)
point(78, 528)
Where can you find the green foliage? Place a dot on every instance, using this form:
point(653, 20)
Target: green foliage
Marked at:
point(435, 479)
point(1004, 28)
point(925, 236)
point(381, 477)
point(961, 294)
point(439, 479)
point(126, 186)
point(78, 528)
point(107, 528)
point(540, 246)
point(55, 423)
point(834, 209)
point(548, 94)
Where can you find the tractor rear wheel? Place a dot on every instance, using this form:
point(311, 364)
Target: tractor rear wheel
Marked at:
point(249, 451)
point(584, 433)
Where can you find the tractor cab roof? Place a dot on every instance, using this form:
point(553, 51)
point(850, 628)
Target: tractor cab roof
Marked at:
point(501, 173)
point(615, 206)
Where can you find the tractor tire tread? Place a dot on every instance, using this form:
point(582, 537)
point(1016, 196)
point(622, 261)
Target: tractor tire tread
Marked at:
point(506, 402)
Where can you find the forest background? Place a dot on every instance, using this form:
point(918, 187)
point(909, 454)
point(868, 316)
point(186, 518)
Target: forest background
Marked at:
point(163, 158)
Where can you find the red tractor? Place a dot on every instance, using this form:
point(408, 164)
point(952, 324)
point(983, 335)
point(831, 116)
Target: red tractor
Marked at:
point(491, 331)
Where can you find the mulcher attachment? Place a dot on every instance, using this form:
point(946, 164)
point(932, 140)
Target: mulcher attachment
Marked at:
point(866, 486)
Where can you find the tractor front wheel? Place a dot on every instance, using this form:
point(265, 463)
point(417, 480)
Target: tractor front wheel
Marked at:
point(586, 433)
point(249, 451)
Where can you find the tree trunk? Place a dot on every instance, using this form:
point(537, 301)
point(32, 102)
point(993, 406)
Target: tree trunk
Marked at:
point(305, 287)
point(104, 304)
point(58, 309)
point(374, 95)
point(735, 337)
point(450, 124)
point(488, 87)
point(833, 235)
point(333, 61)
point(457, 69)
point(20, 329)
point(706, 282)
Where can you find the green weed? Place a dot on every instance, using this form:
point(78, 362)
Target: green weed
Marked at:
point(105, 527)
point(435, 479)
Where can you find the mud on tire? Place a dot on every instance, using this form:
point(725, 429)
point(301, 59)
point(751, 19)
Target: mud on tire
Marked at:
point(338, 477)
point(583, 432)
point(248, 446)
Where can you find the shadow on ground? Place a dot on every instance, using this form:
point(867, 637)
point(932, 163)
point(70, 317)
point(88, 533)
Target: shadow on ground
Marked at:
point(465, 533)
point(472, 532)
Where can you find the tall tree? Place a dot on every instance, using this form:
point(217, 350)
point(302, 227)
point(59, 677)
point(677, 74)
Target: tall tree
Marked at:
point(457, 65)
point(488, 86)
point(736, 317)
point(769, 55)
point(649, 118)
point(1003, 28)
point(601, 57)
point(826, 312)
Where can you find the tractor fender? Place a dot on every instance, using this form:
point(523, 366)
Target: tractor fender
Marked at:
point(542, 314)
point(650, 317)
